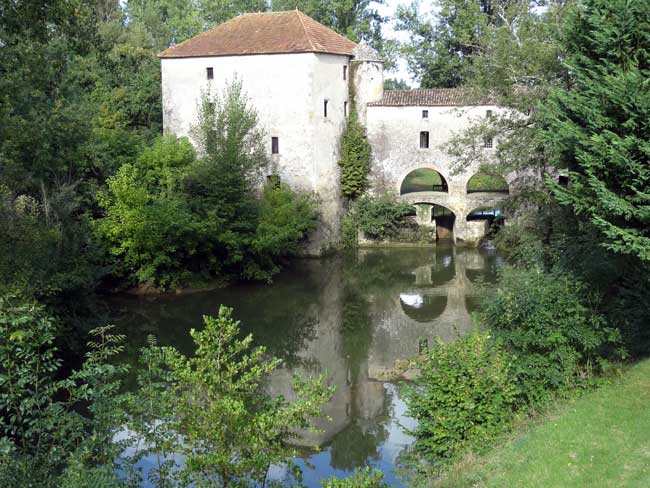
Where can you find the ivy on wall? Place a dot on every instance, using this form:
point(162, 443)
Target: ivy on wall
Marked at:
point(355, 157)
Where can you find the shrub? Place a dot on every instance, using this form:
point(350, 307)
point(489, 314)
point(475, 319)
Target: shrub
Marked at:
point(464, 396)
point(548, 322)
point(362, 478)
point(148, 226)
point(377, 217)
point(285, 218)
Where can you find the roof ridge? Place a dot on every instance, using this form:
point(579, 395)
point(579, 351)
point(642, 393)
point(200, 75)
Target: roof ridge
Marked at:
point(298, 12)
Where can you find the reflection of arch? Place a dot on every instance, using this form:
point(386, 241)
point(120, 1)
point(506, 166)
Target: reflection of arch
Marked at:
point(423, 179)
point(422, 308)
point(483, 182)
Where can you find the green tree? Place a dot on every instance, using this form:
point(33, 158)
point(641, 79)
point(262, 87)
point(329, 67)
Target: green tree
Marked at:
point(355, 157)
point(285, 219)
point(232, 431)
point(598, 128)
point(464, 396)
point(549, 321)
point(42, 430)
point(148, 226)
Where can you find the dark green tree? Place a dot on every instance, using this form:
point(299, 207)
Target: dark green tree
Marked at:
point(599, 127)
point(355, 157)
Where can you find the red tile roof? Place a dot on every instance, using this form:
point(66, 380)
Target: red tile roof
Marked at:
point(429, 98)
point(264, 33)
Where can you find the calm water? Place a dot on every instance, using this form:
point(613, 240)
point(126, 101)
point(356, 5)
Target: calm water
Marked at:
point(349, 316)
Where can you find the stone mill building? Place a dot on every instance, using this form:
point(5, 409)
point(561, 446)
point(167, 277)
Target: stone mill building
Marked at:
point(300, 75)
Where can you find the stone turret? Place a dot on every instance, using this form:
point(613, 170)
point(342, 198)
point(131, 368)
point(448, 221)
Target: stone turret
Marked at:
point(367, 78)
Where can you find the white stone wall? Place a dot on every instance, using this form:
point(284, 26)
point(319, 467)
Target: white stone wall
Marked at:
point(368, 80)
point(288, 91)
point(394, 133)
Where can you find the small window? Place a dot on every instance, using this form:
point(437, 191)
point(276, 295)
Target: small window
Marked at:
point(563, 180)
point(273, 181)
point(345, 109)
point(345, 73)
point(325, 102)
point(488, 114)
point(488, 143)
point(275, 145)
point(424, 140)
point(425, 114)
point(210, 73)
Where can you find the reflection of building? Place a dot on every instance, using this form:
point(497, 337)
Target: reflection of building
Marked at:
point(433, 304)
point(361, 331)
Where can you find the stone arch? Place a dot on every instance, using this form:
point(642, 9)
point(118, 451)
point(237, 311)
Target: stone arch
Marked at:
point(425, 168)
point(484, 182)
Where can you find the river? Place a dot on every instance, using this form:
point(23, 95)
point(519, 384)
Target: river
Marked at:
point(352, 316)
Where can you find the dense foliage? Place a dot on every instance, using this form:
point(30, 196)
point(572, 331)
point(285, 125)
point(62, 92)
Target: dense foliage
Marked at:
point(231, 430)
point(172, 218)
point(365, 478)
point(599, 128)
point(377, 217)
point(549, 322)
point(355, 157)
point(464, 396)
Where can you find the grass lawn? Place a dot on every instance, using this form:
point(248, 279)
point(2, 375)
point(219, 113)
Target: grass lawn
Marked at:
point(601, 439)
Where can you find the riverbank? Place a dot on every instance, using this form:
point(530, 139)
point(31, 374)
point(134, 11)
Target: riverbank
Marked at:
point(597, 440)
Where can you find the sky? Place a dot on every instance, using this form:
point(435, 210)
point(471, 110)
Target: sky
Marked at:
point(387, 9)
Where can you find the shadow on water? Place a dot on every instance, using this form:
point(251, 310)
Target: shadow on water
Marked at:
point(349, 316)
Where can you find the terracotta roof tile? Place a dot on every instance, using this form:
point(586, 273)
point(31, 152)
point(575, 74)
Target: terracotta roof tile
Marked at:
point(429, 98)
point(263, 33)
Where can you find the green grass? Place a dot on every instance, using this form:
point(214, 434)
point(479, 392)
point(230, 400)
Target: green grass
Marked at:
point(483, 181)
point(421, 180)
point(600, 440)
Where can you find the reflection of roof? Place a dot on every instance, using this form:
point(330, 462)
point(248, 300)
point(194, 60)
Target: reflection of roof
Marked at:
point(264, 33)
point(429, 98)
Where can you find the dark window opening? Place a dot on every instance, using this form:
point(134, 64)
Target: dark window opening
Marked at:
point(345, 108)
point(210, 73)
point(273, 181)
point(488, 143)
point(345, 72)
point(488, 114)
point(275, 145)
point(325, 102)
point(424, 140)
point(425, 114)
point(563, 180)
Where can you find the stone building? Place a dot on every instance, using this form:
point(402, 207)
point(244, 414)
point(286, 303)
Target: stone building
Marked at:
point(299, 75)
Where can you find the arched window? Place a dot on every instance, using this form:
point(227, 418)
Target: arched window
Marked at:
point(423, 179)
point(487, 182)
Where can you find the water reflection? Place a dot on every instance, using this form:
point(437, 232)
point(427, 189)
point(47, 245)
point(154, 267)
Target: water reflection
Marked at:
point(351, 317)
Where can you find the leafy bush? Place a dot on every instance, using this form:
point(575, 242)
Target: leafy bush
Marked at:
point(463, 397)
point(549, 323)
point(362, 478)
point(377, 217)
point(148, 226)
point(231, 430)
point(284, 220)
point(42, 429)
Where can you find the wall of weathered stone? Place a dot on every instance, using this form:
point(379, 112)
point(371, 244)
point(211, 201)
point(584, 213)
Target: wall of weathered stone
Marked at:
point(394, 133)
